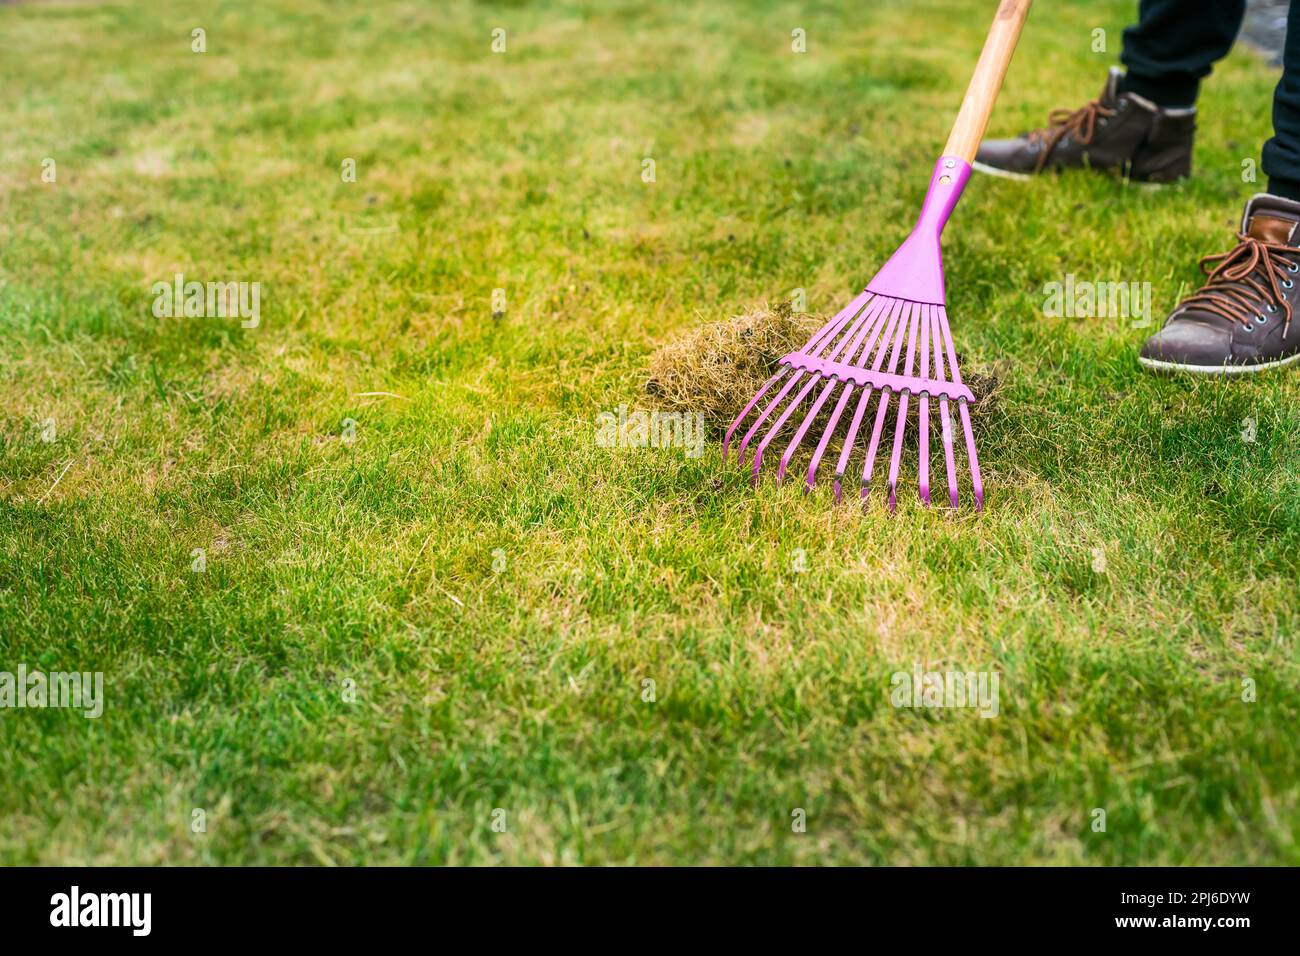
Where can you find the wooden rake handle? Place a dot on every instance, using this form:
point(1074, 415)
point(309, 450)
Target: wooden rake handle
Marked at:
point(968, 130)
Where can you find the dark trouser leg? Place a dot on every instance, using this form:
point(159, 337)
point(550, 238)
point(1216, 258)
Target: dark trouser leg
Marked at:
point(1281, 160)
point(1174, 45)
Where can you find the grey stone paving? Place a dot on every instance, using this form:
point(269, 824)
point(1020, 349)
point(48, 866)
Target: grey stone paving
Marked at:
point(1265, 27)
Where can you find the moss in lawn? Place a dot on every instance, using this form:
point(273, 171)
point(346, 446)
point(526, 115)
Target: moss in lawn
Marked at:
point(717, 367)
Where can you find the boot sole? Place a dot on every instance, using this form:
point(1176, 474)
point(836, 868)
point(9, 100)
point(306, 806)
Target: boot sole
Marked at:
point(1025, 177)
point(1158, 366)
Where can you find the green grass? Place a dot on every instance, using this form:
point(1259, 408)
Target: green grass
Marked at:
point(521, 688)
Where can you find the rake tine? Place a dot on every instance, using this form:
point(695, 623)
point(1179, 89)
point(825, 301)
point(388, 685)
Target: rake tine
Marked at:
point(923, 413)
point(945, 421)
point(877, 323)
point(816, 343)
point(855, 331)
point(977, 482)
point(830, 332)
point(852, 336)
point(865, 324)
point(726, 441)
point(882, 407)
point(842, 465)
point(758, 422)
point(803, 428)
point(780, 422)
point(826, 437)
point(900, 423)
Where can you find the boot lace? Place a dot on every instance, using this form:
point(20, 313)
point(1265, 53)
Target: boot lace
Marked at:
point(1082, 123)
point(1254, 270)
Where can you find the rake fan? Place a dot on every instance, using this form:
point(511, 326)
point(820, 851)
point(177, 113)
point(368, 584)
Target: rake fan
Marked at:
point(899, 318)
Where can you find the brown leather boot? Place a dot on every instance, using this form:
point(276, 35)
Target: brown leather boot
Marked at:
point(1117, 131)
point(1241, 320)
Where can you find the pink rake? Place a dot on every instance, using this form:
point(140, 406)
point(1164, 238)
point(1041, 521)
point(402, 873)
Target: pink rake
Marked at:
point(900, 316)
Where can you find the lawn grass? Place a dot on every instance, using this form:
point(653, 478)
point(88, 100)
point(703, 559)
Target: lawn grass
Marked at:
point(495, 587)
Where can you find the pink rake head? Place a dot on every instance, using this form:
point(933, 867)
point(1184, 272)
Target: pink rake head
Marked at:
point(900, 315)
